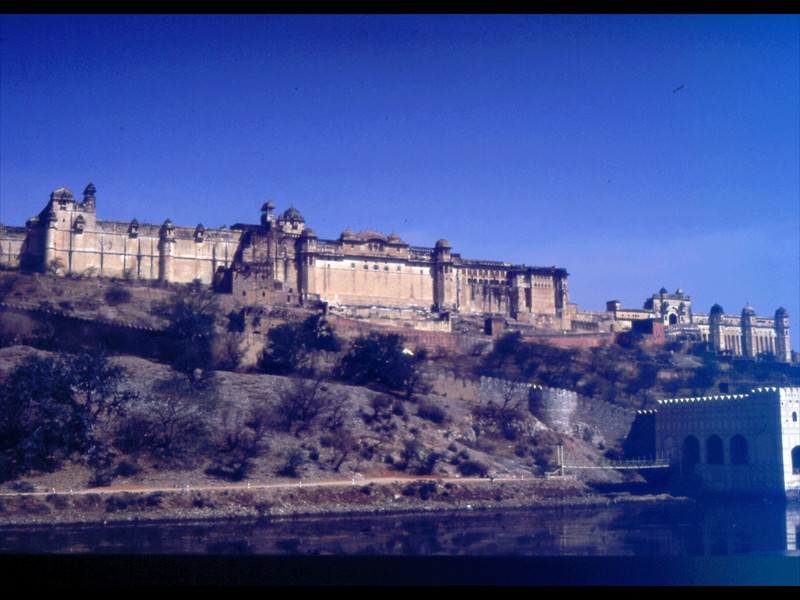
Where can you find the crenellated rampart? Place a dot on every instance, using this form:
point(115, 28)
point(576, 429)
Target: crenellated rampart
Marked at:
point(562, 410)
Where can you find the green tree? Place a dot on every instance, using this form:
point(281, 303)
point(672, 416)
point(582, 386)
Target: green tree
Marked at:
point(295, 459)
point(37, 424)
point(379, 359)
point(503, 360)
point(645, 378)
point(117, 294)
point(511, 358)
point(705, 376)
point(290, 346)
point(52, 407)
point(191, 315)
point(7, 285)
point(285, 351)
point(100, 399)
point(236, 321)
point(226, 352)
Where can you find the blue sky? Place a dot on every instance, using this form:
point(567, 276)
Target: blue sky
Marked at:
point(635, 151)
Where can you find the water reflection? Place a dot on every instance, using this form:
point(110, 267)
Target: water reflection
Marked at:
point(722, 529)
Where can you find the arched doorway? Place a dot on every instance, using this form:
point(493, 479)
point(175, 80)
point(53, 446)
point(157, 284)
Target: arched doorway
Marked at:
point(673, 319)
point(690, 453)
point(739, 452)
point(669, 447)
point(796, 459)
point(714, 452)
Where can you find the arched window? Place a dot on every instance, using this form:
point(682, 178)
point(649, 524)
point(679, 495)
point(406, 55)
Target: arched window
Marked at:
point(796, 459)
point(794, 417)
point(739, 453)
point(714, 452)
point(690, 453)
point(670, 448)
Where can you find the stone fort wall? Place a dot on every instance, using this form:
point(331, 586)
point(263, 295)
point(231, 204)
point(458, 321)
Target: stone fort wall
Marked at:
point(67, 237)
point(20, 323)
point(561, 410)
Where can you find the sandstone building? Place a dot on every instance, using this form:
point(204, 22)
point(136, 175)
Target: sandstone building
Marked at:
point(739, 335)
point(279, 259)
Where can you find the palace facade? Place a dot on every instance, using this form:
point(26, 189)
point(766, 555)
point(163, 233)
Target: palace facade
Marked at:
point(280, 259)
point(745, 334)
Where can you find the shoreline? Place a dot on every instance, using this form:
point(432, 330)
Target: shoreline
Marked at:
point(372, 496)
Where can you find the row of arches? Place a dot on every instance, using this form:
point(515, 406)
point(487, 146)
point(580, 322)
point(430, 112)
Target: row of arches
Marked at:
point(739, 452)
point(715, 452)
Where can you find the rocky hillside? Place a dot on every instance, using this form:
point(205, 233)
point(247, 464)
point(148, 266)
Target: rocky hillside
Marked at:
point(378, 434)
point(182, 412)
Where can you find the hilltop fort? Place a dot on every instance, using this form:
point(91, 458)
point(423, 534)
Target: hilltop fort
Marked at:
point(280, 260)
point(469, 404)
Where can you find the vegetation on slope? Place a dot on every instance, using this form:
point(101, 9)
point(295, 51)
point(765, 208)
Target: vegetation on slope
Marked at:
point(630, 373)
point(316, 407)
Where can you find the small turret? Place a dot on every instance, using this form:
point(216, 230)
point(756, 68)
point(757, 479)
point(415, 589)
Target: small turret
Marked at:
point(293, 215)
point(443, 280)
point(783, 350)
point(61, 197)
point(88, 197)
point(165, 251)
point(267, 217)
point(716, 339)
point(167, 231)
point(442, 244)
point(748, 334)
point(291, 221)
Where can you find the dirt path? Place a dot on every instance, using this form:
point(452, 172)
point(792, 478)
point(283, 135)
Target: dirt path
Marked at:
point(319, 483)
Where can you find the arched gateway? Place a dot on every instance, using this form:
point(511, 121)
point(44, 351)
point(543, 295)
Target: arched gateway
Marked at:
point(743, 443)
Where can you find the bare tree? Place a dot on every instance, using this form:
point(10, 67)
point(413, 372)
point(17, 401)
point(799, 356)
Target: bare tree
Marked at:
point(55, 266)
point(342, 444)
point(171, 422)
point(503, 406)
point(240, 438)
point(304, 401)
point(336, 412)
point(416, 458)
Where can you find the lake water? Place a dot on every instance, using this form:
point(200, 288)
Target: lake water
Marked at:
point(640, 533)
